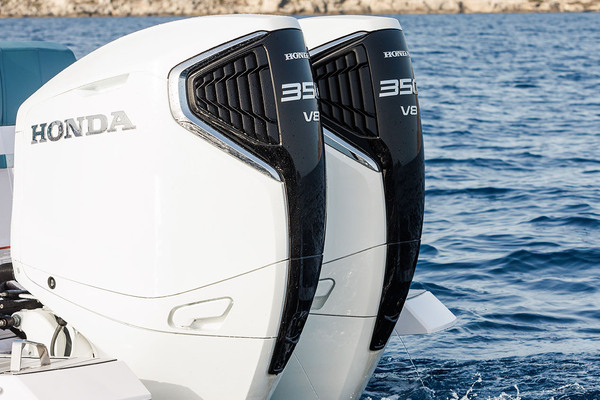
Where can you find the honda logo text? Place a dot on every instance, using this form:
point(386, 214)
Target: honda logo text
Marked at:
point(395, 53)
point(295, 56)
point(80, 126)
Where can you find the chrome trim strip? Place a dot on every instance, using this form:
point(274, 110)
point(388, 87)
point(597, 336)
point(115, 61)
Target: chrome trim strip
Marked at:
point(336, 42)
point(348, 150)
point(184, 116)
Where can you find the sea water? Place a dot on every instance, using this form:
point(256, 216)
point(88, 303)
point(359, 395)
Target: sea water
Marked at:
point(510, 106)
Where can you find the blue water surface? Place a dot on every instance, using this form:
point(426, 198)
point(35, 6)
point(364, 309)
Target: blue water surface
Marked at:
point(511, 244)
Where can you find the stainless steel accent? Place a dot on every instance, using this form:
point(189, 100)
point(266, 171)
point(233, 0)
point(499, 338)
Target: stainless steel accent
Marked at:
point(18, 320)
point(348, 150)
point(336, 42)
point(16, 356)
point(184, 116)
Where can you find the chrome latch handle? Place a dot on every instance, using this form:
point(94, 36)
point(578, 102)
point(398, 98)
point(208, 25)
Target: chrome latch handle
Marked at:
point(16, 356)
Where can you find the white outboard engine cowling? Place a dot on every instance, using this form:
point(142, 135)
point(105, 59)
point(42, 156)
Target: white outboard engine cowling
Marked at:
point(170, 202)
point(375, 198)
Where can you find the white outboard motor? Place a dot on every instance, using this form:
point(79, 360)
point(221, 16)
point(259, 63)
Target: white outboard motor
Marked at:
point(375, 196)
point(170, 202)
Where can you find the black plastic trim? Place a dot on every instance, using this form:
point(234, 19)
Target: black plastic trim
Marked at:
point(236, 94)
point(291, 142)
point(7, 272)
point(369, 102)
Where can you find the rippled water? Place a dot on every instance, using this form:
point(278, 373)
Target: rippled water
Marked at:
point(511, 116)
point(511, 243)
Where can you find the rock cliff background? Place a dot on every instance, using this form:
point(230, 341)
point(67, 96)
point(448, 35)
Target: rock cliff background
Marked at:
point(55, 8)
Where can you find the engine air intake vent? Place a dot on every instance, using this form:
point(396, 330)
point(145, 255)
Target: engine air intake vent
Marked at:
point(236, 93)
point(346, 91)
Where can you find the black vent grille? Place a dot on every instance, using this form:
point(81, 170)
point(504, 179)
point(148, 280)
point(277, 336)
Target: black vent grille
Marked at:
point(237, 94)
point(346, 91)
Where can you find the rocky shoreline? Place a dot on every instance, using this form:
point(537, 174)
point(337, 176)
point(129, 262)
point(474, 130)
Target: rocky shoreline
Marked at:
point(62, 8)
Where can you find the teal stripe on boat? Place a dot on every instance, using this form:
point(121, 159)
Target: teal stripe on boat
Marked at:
point(6, 161)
